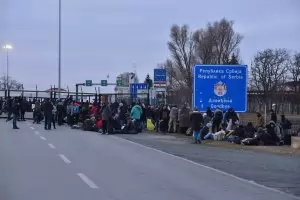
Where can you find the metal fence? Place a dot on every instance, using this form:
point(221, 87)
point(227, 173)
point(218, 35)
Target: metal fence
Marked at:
point(80, 96)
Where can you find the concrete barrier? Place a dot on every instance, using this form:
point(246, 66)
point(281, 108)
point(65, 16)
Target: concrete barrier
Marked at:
point(295, 142)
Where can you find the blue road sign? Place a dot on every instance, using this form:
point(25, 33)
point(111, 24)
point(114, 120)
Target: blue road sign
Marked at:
point(160, 76)
point(220, 86)
point(135, 87)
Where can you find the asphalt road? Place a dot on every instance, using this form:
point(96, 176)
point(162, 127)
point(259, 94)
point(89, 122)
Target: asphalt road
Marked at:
point(67, 164)
point(276, 171)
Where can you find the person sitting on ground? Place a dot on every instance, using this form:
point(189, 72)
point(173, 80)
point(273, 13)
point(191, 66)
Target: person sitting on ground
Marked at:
point(260, 123)
point(249, 130)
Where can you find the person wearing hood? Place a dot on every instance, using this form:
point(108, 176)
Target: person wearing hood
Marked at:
point(197, 123)
point(184, 119)
point(217, 120)
point(135, 114)
point(209, 112)
point(206, 118)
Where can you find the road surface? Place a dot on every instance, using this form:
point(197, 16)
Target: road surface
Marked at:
point(67, 164)
point(275, 171)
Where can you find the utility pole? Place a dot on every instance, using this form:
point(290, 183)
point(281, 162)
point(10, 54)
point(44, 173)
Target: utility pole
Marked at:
point(59, 48)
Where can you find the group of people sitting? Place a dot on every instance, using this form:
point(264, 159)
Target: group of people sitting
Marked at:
point(220, 126)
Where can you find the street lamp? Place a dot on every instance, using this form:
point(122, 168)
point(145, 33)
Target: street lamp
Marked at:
point(59, 48)
point(7, 47)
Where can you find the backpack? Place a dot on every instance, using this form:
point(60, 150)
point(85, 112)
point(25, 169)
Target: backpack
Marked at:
point(76, 109)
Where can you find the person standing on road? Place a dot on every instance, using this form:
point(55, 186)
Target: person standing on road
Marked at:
point(136, 113)
point(15, 111)
point(106, 114)
point(23, 108)
point(48, 107)
point(54, 112)
point(184, 118)
point(9, 108)
point(196, 119)
point(60, 112)
point(173, 119)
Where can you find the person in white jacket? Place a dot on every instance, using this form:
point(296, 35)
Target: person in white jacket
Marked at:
point(54, 110)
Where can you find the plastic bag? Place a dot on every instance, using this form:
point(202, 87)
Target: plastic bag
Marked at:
point(150, 126)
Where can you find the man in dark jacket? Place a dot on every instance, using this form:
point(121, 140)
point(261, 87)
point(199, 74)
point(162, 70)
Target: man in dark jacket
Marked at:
point(217, 120)
point(15, 112)
point(60, 112)
point(23, 108)
point(9, 106)
point(48, 107)
point(196, 119)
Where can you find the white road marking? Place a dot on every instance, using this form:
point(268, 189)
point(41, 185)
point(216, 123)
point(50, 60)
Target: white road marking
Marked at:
point(88, 181)
point(36, 132)
point(32, 127)
point(211, 168)
point(64, 158)
point(28, 124)
point(42, 138)
point(51, 146)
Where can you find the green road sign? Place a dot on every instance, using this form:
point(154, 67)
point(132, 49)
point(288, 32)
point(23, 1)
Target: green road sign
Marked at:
point(103, 82)
point(119, 82)
point(88, 83)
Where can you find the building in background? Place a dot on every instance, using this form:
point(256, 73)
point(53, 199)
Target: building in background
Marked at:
point(128, 78)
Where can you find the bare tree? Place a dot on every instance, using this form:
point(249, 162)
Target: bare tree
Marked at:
point(182, 49)
point(269, 71)
point(217, 43)
point(12, 84)
point(294, 69)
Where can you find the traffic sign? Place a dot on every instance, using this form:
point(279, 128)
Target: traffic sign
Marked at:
point(220, 86)
point(119, 82)
point(135, 88)
point(103, 82)
point(160, 76)
point(88, 83)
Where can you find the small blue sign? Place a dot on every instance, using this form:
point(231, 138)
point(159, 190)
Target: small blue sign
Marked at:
point(135, 87)
point(160, 76)
point(220, 86)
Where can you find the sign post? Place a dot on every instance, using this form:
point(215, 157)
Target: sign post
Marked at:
point(160, 82)
point(136, 88)
point(220, 86)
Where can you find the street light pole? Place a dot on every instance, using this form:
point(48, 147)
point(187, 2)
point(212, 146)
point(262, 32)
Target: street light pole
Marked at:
point(59, 48)
point(7, 47)
point(7, 70)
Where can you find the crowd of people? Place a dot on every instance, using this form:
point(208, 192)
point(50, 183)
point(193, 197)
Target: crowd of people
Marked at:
point(120, 117)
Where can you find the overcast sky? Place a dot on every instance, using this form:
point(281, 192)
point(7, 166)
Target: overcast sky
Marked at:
point(101, 37)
